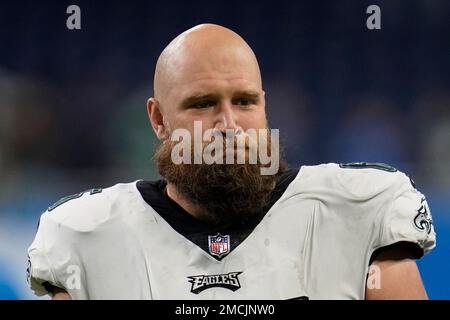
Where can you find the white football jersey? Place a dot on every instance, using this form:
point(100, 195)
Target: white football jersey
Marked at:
point(315, 240)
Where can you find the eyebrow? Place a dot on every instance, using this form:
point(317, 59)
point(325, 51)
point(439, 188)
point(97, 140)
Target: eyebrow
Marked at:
point(207, 96)
point(248, 94)
point(197, 97)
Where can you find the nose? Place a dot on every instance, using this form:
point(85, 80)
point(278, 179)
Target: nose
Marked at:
point(226, 119)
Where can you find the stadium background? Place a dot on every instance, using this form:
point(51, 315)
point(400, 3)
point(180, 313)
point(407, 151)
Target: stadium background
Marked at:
point(72, 103)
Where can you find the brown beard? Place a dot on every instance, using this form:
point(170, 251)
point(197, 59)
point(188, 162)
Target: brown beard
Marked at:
point(227, 193)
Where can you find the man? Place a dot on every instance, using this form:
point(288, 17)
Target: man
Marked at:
point(225, 230)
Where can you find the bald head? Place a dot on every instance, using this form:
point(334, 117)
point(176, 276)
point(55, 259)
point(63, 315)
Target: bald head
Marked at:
point(206, 50)
point(207, 73)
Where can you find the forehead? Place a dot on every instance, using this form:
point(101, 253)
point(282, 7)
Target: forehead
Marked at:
point(215, 83)
point(227, 69)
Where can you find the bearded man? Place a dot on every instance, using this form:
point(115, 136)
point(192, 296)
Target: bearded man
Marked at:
point(229, 219)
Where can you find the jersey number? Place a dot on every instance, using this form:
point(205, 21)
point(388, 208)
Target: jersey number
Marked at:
point(368, 165)
point(73, 196)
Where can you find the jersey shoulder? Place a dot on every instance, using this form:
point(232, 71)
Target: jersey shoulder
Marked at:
point(64, 229)
point(356, 181)
point(87, 210)
point(374, 198)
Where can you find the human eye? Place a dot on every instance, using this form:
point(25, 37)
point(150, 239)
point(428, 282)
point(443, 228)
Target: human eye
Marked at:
point(202, 104)
point(244, 102)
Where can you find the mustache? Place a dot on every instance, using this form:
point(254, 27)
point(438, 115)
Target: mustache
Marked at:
point(253, 146)
point(228, 193)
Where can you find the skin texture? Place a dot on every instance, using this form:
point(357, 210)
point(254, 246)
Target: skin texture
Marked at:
point(216, 63)
point(400, 276)
point(209, 60)
point(60, 294)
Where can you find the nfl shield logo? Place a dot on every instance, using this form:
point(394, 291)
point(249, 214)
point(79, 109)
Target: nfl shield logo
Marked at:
point(219, 245)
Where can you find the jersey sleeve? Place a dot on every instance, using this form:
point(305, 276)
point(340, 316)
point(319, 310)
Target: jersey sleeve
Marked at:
point(407, 219)
point(66, 231)
point(53, 257)
point(41, 274)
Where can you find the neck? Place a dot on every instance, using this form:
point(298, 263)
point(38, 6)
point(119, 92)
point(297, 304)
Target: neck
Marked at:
point(194, 210)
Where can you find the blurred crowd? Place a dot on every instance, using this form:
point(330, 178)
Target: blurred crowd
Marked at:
point(48, 140)
point(72, 105)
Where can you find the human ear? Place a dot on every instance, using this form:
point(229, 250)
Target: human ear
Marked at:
point(156, 118)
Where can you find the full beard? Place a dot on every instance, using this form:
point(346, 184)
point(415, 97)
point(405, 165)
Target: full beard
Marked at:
point(226, 193)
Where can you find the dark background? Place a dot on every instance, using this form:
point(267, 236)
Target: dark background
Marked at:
point(72, 102)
